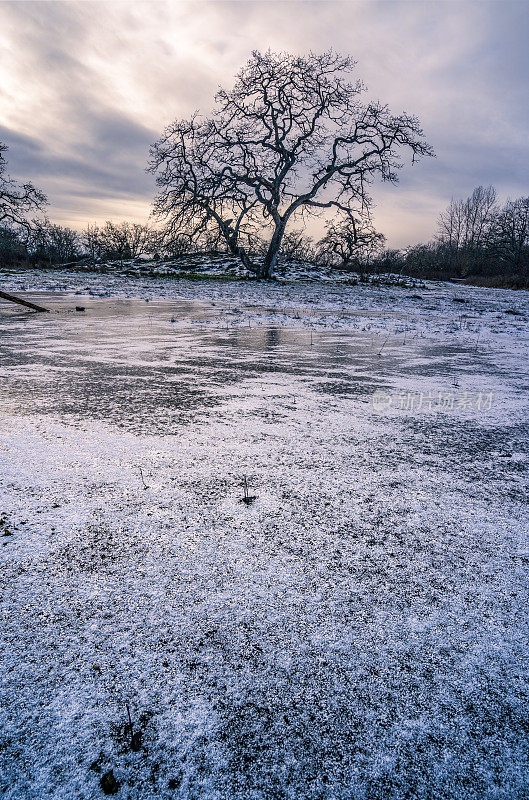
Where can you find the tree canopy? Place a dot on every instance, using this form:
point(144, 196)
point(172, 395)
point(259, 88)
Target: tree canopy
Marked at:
point(292, 137)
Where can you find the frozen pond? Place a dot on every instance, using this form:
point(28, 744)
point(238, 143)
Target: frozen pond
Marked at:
point(150, 366)
point(359, 630)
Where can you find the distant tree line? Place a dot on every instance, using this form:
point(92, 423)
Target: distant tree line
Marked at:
point(477, 239)
point(46, 244)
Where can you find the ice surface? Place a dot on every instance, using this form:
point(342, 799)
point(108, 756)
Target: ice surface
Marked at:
point(359, 631)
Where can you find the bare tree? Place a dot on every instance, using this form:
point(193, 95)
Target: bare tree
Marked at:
point(118, 241)
point(173, 245)
point(114, 242)
point(451, 224)
point(91, 240)
point(297, 246)
point(466, 225)
point(291, 137)
point(52, 244)
point(17, 200)
point(13, 250)
point(510, 233)
point(480, 209)
point(140, 238)
point(350, 242)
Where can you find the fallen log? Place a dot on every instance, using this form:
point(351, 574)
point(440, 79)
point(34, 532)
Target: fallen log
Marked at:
point(13, 299)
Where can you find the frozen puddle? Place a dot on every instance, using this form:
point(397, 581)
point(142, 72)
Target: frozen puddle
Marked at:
point(358, 631)
point(149, 367)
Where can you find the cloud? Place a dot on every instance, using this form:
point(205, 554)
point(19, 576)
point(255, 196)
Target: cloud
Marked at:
point(86, 87)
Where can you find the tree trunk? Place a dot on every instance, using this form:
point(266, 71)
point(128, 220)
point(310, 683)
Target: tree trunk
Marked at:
point(247, 264)
point(240, 252)
point(270, 260)
point(13, 299)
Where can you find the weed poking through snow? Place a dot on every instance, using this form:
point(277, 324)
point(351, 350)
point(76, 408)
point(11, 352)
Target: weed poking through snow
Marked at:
point(135, 738)
point(247, 499)
point(142, 478)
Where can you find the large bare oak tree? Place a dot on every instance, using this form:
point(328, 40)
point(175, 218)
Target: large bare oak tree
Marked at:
point(292, 137)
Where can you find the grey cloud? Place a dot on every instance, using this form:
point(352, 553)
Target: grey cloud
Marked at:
point(103, 79)
point(103, 170)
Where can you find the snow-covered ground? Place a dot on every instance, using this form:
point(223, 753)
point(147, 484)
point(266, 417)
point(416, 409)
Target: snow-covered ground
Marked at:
point(358, 631)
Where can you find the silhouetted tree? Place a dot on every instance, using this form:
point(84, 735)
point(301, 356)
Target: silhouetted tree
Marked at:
point(52, 244)
point(13, 250)
point(392, 261)
point(350, 243)
point(141, 238)
point(17, 200)
point(291, 137)
point(119, 241)
point(92, 243)
point(510, 234)
point(465, 228)
point(297, 246)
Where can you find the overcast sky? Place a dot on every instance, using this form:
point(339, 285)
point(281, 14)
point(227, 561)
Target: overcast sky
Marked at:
point(85, 87)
